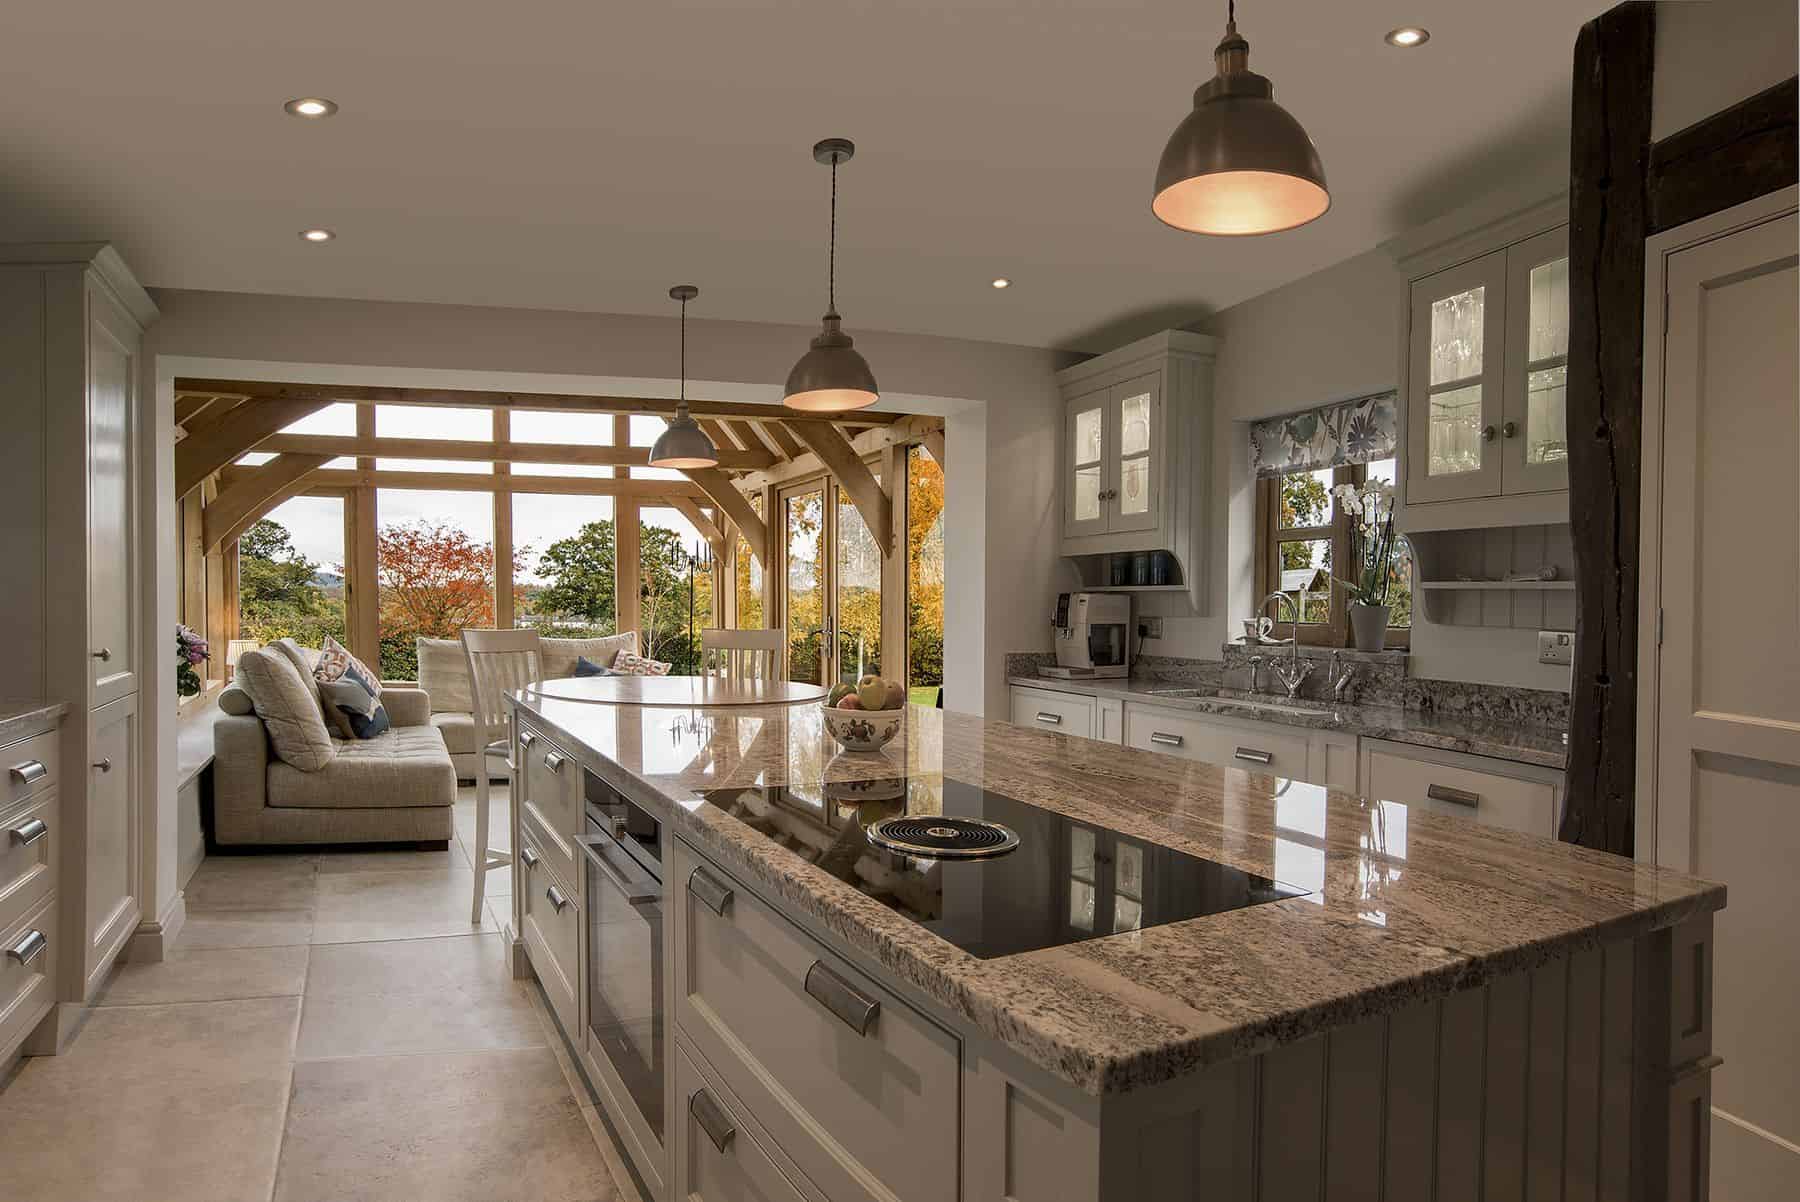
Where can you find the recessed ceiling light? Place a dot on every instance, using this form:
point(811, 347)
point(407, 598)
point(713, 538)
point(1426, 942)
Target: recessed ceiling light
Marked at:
point(310, 106)
point(1002, 282)
point(1408, 36)
point(317, 235)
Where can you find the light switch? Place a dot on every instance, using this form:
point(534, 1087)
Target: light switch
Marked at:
point(1556, 647)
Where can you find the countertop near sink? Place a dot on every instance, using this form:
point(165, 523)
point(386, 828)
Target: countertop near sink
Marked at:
point(1540, 745)
point(1407, 904)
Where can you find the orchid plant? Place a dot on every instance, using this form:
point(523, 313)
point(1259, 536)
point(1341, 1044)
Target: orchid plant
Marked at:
point(190, 651)
point(1370, 506)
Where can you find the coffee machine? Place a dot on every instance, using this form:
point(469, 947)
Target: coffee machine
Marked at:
point(1093, 635)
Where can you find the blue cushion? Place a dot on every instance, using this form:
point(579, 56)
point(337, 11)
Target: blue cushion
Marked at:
point(353, 697)
point(587, 667)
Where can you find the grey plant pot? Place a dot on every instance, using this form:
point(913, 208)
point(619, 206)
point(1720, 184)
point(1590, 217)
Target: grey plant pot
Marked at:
point(1368, 624)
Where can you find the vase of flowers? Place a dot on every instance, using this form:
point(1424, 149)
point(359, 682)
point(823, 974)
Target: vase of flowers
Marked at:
point(190, 652)
point(1370, 506)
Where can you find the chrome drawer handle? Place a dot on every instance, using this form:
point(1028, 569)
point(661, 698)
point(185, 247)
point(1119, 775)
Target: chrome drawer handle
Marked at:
point(1253, 755)
point(105, 765)
point(713, 895)
point(28, 833)
point(553, 761)
point(855, 1008)
point(1052, 719)
point(526, 738)
point(555, 897)
point(29, 771)
point(29, 948)
point(1157, 736)
point(530, 857)
point(712, 1119)
point(1461, 797)
point(104, 655)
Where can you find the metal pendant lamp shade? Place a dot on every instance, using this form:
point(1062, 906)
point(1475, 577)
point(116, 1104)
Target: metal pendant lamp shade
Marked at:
point(832, 377)
point(1239, 163)
point(684, 444)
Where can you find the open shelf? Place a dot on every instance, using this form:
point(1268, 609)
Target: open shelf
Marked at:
point(1500, 585)
point(1136, 588)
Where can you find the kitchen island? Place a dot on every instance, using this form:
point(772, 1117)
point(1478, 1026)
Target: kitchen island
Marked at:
point(1427, 1008)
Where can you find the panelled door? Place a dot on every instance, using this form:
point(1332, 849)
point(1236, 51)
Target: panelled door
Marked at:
point(1722, 714)
point(1455, 366)
point(112, 364)
point(1534, 442)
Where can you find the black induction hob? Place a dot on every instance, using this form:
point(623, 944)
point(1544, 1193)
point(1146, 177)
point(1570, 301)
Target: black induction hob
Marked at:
point(1062, 881)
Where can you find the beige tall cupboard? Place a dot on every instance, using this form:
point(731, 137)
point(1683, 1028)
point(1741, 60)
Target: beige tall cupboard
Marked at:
point(71, 326)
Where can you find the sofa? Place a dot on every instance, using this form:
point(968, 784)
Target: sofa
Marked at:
point(397, 787)
point(444, 676)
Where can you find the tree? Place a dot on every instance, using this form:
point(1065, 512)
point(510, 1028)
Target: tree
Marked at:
point(434, 581)
point(278, 590)
point(580, 569)
point(924, 570)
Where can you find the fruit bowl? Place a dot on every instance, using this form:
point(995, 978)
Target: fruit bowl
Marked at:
point(863, 730)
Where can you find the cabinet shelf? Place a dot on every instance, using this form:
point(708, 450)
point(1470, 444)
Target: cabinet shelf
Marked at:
point(1135, 588)
point(1500, 585)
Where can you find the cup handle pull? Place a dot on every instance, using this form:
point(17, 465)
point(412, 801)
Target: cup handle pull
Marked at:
point(712, 1119)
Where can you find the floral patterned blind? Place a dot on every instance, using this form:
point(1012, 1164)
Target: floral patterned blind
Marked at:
point(1355, 431)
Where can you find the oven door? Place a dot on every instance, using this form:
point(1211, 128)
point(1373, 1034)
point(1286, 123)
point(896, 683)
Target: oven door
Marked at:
point(625, 973)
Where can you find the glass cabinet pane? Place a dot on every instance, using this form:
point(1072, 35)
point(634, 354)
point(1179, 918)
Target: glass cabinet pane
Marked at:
point(1457, 323)
point(1134, 485)
point(1134, 424)
point(1549, 311)
point(1546, 416)
point(1087, 436)
point(1087, 494)
point(1455, 443)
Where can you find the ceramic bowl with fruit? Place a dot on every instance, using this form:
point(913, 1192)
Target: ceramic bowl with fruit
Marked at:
point(867, 715)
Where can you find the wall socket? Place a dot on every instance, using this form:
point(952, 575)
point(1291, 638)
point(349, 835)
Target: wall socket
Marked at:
point(1149, 626)
point(1556, 647)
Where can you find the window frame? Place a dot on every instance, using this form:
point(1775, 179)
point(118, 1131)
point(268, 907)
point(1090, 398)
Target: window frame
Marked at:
point(1335, 630)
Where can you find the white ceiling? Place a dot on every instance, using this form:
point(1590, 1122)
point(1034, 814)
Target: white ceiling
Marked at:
point(587, 156)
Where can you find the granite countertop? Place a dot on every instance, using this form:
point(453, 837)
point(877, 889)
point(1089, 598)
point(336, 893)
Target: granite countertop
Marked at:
point(1404, 905)
point(1524, 744)
point(21, 719)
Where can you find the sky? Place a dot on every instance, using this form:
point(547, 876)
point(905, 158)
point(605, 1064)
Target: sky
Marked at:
point(539, 519)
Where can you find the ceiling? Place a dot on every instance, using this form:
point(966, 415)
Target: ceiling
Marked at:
point(586, 157)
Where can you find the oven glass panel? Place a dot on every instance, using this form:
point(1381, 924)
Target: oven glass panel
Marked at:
point(625, 970)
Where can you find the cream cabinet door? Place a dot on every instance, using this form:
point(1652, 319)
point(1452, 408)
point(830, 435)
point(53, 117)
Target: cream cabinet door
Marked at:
point(1534, 440)
point(1515, 797)
point(112, 365)
point(1455, 369)
point(112, 834)
point(1134, 417)
point(1087, 478)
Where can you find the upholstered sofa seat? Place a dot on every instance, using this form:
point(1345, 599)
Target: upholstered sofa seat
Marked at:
point(402, 766)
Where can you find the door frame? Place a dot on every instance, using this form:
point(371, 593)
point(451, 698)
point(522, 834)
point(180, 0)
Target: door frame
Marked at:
point(1658, 249)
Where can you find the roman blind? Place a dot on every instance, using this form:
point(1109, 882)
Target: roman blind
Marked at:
point(1359, 430)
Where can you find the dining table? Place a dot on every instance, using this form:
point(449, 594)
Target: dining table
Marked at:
point(678, 690)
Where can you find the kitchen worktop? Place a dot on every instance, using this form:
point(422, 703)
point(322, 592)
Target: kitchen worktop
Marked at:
point(1405, 905)
point(1521, 743)
point(21, 718)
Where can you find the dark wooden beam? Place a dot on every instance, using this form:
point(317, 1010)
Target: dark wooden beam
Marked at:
point(1608, 221)
point(1746, 151)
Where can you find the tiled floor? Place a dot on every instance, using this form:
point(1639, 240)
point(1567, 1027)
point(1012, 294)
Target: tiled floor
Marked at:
point(327, 1027)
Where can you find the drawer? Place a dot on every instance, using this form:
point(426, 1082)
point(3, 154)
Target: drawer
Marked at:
point(29, 766)
point(830, 1063)
point(1461, 791)
point(557, 852)
point(717, 1159)
point(27, 855)
point(27, 991)
point(551, 780)
point(1252, 746)
point(1067, 713)
point(551, 916)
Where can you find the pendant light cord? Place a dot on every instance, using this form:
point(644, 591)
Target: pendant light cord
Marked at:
point(831, 260)
point(683, 399)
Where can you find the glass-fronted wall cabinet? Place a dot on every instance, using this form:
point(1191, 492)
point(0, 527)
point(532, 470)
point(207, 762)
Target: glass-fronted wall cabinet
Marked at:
point(1486, 363)
point(1115, 457)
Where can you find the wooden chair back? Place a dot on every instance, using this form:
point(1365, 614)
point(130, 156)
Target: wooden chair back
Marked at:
point(744, 654)
point(500, 661)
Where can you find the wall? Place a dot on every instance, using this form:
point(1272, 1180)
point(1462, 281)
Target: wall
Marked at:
point(1710, 56)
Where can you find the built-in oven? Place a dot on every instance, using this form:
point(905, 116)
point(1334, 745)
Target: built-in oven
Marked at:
point(625, 1025)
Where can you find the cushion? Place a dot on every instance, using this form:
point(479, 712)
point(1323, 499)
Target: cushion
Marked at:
point(287, 701)
point(304, 659)
point(335, 659)
point(352, 704)
point(403, 766)
point(587, 667)
point(560, 654)
point(444, 674)
point(236, 702)
point(637, 665)
point(458, 729)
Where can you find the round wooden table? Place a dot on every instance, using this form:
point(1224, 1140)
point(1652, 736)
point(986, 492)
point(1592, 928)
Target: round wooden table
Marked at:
point(678, 690)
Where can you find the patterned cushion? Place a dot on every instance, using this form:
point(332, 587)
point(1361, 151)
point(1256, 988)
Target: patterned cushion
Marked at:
point(587, 667)
point(560, 654)
point(351, 702)
point(335, 660)
point(287, 702)
point(637, 665)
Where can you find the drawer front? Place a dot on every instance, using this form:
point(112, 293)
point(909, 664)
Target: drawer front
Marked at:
point(557, 851)
point(1063, 712)
point(27, 856)
point(30, 767)
point(1252, 746)
point(552, 783)
point(27, 990)
point(832, 1065)
point(717, 1159)
point(551, 913)
point(1494, 800)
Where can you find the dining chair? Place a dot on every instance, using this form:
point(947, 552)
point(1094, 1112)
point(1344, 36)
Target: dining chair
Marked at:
point(499, 662)
point(744, 654)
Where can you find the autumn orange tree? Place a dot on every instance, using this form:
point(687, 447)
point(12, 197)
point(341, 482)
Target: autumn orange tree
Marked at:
point(434, 581)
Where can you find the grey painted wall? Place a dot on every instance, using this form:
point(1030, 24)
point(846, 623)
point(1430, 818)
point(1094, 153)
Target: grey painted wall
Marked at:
point(1709, 56)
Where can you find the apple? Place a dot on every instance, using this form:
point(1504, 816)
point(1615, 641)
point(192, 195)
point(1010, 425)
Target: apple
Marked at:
point(850, 701)
point(872, 691)
point(839, 692)
point(896, 695)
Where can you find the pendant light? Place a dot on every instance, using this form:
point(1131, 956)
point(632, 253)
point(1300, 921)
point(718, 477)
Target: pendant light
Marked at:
point(684, 444)
point(831, 377)
point(1239, 163)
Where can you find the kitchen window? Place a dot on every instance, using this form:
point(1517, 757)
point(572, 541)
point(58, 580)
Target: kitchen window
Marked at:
point(1301, 534)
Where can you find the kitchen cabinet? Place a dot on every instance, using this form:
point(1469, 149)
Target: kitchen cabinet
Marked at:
point(1483, 373)
point(1520, 797)
point(30, 834)
point(1136, 460)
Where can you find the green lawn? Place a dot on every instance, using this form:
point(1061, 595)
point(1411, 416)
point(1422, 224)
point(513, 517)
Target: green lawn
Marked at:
point(925, 694)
